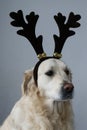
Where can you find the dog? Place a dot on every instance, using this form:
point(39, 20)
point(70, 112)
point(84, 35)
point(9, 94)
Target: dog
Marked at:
point(47, 105)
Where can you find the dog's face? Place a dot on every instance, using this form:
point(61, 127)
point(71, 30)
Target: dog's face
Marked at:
point(54, 80)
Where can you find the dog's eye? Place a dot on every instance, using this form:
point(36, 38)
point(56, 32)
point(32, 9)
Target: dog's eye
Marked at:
point(67, 71)
point(50, 73)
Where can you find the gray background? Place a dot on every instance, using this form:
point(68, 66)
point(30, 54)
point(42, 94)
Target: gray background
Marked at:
point(16, 55)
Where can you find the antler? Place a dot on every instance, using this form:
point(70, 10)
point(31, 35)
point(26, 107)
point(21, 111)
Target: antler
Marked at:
point(28, 30)
point(64, 30)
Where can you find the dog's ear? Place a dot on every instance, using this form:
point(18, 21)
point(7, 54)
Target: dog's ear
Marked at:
point(27, 81)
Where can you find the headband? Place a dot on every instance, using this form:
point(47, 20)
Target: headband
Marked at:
point(28, 31)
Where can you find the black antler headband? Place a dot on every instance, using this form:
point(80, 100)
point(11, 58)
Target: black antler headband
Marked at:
point(28, 31)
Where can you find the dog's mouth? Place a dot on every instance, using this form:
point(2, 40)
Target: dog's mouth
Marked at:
point(67, 97)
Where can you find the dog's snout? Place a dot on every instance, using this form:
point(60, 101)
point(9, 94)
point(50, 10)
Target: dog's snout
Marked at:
point(67, 91)
point(68, 87)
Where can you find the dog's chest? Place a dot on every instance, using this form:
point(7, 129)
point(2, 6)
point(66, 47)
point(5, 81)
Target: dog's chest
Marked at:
point(40, 116)
point(61, 117)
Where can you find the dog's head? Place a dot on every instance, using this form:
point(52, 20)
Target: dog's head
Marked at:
point(54, 80)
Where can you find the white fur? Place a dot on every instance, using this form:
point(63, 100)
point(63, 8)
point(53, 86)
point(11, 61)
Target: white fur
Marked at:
point(41, 107)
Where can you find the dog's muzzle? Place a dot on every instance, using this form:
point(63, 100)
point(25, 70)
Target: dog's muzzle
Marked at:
point(67, 91)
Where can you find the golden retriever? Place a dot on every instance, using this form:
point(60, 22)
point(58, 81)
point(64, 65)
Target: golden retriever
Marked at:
point(47, 105)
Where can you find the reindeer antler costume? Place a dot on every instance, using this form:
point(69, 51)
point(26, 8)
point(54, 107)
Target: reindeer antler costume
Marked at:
point(28, 31)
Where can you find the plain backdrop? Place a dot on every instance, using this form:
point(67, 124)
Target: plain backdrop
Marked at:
point(17, 55)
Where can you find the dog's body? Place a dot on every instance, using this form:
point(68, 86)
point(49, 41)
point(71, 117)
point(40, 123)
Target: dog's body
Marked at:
point(45, 106)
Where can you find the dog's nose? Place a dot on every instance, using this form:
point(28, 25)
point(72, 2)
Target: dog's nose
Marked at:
point(68, 87)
